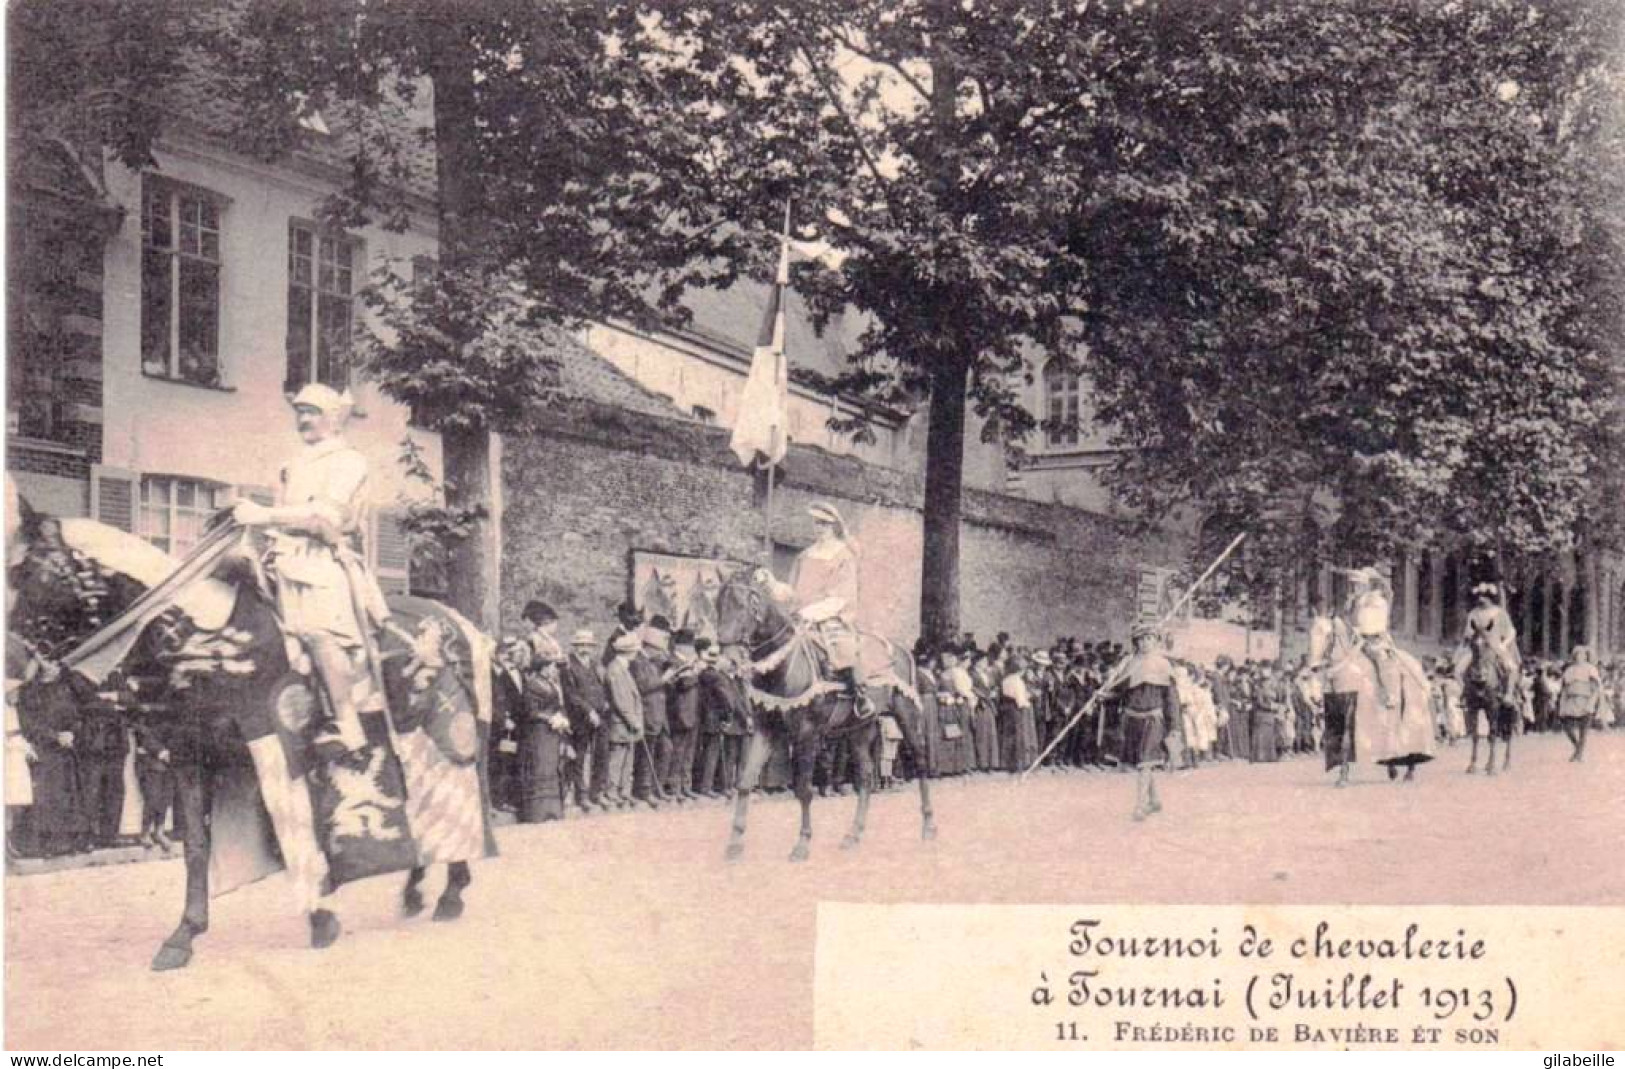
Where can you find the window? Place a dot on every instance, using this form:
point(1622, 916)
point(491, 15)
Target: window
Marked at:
point(1061, 408)
point(703, 414)
point(180, 282)
point(173, 511)
point(321, 300)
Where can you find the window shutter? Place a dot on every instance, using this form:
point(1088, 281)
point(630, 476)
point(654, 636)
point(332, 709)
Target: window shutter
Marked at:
point(113, 496)
point(392, 553)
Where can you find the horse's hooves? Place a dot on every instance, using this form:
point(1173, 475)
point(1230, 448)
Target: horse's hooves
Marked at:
point(849, 842)
point(928, 833)
point(411, 903)
point(734, 852)
point(171, 957)
point(800, 853)
point(448, 909)
point(324, 929)
point(1472, 769)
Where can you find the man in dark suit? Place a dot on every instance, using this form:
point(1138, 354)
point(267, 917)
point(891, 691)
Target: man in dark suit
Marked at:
point(508, 694)
point(653, 757)
point(724, 722)
point(586, 704)
point(630, 622)
point(683, 714)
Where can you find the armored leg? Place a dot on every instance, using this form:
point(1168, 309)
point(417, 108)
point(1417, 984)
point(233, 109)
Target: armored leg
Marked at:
point(332, 663)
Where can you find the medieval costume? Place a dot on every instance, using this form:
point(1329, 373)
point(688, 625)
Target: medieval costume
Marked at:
point(824, 589)
point(1580, 700)
point(327, 597)
point(1150, 709)
point(1376, 695)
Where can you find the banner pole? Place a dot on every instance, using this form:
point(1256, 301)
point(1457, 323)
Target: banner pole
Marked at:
point(1117, 670)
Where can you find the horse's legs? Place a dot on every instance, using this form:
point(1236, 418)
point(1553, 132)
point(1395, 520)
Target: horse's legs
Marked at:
point(757, 749)
point(411, 895)
point(1472, 759)
point(922, 768)
point(191, 796)
point(1489, 766)
point(806, 748)
point(1506, 752)
point(863, 742)
point(450, 905)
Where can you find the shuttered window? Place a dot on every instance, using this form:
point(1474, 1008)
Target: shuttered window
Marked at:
point(391, 553)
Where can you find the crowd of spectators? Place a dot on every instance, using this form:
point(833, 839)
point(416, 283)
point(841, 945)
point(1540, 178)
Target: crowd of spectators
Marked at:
point(650, 716)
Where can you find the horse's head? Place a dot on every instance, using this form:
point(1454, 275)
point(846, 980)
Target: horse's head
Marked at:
point(57, 593)
point(746, 612)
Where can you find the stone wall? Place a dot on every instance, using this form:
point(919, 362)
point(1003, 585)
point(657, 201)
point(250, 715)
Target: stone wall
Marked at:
point(598, 483)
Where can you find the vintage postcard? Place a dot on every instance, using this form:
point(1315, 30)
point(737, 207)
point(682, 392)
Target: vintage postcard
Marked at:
point(635, 524)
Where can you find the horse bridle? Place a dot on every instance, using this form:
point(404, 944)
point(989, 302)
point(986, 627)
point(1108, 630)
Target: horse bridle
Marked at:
point(757, 599)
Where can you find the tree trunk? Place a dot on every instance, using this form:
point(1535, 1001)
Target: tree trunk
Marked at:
point(944, 489)
point(473, 570)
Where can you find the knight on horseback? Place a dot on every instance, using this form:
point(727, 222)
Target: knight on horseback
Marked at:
point(1488, 664)
point(327, 598)
point(823, 588)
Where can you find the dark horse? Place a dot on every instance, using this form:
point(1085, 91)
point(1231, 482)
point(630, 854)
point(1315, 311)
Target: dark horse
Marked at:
point(792, 693)
point(203, 678)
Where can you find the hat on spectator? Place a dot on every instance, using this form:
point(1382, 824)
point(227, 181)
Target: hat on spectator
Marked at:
point(628, 615)
point(584, 637)
point(538, 612)
point(627, 643)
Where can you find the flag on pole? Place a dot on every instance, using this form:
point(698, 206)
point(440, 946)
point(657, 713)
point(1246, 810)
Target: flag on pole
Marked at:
point(762, 427)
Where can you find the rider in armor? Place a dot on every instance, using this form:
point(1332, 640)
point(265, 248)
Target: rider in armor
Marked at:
point(328, 599)
point(824, 588)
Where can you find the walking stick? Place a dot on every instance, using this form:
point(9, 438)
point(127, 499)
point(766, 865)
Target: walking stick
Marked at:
point(1116, 673)
point(654, 774)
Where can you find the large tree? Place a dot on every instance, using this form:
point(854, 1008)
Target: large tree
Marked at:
point(1374, 282)
point(1333, 261)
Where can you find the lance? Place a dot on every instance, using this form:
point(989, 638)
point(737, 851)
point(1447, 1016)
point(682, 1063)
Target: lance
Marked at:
point(1117, 671)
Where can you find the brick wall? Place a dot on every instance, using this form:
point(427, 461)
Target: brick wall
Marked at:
point(598, 483)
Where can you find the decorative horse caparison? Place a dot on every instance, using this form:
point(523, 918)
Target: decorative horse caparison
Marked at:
point(1377, 702)
point(196, 687)
point(792, 696)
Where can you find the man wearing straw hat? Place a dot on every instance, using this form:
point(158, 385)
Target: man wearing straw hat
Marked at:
point(328, 599)
point(824, 589)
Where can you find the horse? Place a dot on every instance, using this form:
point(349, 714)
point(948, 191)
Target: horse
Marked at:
point(1377, 701)
point(792, 693)
point(212, 679)
point(1488, 685)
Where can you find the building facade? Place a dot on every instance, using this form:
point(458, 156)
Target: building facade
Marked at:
point(163, 317)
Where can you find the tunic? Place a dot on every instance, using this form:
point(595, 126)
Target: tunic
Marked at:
point(1581, 696)
point(1149, 707)
point(824, 584)
point(318, 567)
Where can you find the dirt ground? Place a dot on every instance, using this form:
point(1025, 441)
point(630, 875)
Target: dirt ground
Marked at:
point(632, 931)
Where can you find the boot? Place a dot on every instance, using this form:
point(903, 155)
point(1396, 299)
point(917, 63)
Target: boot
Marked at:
point(860, 708)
